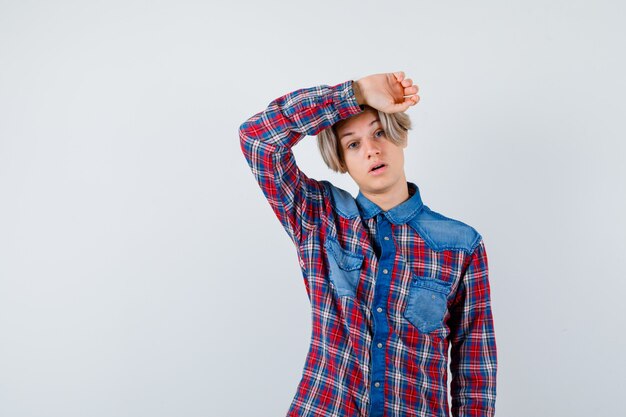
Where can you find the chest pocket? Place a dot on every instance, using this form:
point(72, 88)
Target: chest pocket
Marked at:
point(344, 268)
point(427, 303)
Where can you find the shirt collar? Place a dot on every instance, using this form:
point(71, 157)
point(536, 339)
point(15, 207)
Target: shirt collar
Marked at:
point(399, 214)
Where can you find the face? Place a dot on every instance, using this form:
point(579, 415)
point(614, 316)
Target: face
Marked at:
point(364, 146)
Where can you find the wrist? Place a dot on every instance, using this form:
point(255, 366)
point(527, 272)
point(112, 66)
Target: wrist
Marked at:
point(358, 92)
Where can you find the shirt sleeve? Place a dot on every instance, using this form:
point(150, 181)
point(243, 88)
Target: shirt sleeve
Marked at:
point(266, 141)
point(473, 358)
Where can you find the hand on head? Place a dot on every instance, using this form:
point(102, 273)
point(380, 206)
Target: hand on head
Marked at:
point(389, 92)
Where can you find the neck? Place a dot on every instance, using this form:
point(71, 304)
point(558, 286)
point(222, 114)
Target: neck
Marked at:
point(391, 197)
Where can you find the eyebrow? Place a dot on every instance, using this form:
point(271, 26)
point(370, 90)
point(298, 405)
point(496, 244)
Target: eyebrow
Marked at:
point(342, 137)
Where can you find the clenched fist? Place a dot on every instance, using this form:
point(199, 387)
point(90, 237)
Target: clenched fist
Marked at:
point(389, 92)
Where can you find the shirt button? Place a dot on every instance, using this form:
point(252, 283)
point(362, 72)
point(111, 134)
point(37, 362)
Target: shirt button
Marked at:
point(379, 309)
point(380, 345)
point(386, 237)
point(385, 271)
point(377, 384)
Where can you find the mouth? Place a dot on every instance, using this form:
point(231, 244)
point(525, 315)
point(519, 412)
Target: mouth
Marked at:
point(379, 168)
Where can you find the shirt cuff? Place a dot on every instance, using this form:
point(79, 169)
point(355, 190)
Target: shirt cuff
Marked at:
point(345, 101)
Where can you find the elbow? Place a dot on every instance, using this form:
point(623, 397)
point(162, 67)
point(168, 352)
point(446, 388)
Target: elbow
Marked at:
point(244, 139)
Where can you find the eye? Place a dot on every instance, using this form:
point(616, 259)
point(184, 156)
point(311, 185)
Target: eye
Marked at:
point(379, 133)
point(350, 145)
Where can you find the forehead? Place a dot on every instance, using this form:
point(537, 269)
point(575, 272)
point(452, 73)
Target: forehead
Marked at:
point(361, 121)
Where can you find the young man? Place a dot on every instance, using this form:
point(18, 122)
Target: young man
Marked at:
point(392, 284)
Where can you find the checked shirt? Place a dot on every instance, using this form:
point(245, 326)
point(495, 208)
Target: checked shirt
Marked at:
point(396, 296)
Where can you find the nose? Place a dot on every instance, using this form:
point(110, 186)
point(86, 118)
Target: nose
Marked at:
point(371, 147)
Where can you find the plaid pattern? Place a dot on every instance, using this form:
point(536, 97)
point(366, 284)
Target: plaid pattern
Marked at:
point(390, 292)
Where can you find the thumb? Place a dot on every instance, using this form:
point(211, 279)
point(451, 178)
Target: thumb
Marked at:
point(400, 107)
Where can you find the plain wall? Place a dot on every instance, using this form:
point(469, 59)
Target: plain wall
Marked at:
point(142, 272)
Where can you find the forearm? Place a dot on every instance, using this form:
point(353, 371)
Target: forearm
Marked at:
point(302, 112)
point(473, 353)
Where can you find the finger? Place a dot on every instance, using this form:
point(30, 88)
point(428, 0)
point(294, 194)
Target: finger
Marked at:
point(407, 82)
point(414, 98)
point(409, 91)
point(399, 75)
point(409, 101)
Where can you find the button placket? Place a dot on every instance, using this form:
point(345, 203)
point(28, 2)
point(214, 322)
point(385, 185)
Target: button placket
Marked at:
point(381, 328)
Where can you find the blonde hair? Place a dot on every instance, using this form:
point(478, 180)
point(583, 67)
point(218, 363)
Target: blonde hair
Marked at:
point(395, 125)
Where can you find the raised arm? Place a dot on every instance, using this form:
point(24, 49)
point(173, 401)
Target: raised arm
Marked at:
point(267, 139)
point(268, 136)
point(473, 358)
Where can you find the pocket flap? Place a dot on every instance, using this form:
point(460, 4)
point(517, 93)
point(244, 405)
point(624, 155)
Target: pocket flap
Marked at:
point(346, 260)
point(433, 284)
